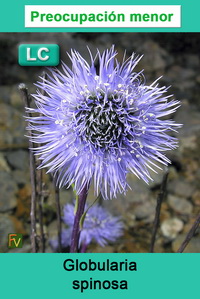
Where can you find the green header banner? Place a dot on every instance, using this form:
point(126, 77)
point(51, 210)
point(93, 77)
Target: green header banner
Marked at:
point(16, 17)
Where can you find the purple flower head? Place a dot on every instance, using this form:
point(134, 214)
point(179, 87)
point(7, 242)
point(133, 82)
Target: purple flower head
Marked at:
point(99, 226)
point(101, 124)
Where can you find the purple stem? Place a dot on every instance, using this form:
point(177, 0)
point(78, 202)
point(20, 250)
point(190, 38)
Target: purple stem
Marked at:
point(84, 248)
point(27, 99)
point(40, 208)
point(40, 194)
point(190, 234)
point(58, 212)
point(80, 210)
point(160, 198)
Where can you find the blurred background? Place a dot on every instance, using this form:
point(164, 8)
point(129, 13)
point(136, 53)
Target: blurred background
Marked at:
point(175, 56)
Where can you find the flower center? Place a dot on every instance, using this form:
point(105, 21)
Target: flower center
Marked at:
point(100, 119)
point(103, 124)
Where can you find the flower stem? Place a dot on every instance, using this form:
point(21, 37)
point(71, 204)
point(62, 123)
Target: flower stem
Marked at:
point(160, 198)
point(84, 248)
point(190, 234)
point(58, 212)
point(80, 210)
point(27, 99)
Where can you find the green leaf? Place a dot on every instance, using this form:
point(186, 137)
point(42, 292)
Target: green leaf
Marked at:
point(85, 213)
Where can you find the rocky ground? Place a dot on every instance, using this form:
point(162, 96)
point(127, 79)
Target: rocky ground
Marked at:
point(173, 55)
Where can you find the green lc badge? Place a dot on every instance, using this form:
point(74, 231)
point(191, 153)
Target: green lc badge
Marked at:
point(38, 55)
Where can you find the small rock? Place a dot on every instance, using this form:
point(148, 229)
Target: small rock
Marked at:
point(192, 61)
point(8, 189)
point(188, 142)
point(177, 74)
point(173, 174)
point(192, 247)
point(130, 220)
point(181, 188)
point(21, 177)
point(18, 159)
point(145, 210)
point(198, 79)
point(191, 125)
point(180, 205)
point(23, 201)
point(196, 198)
point(171, 227)
point(5, 94)
point(12, 127)
point(6, 227)
point(155, 57)
point(52, 230)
